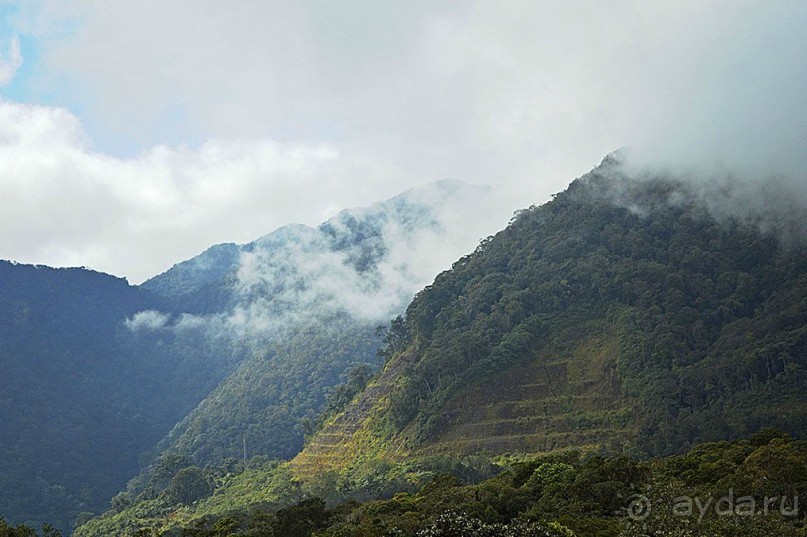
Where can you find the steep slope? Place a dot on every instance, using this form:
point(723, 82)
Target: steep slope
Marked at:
point(84, 395)
point(197, 285)
point(215, 280)
point(622, 315)
point(302, 306)
point(626, 315)
point(96, 372)
point(265, 405)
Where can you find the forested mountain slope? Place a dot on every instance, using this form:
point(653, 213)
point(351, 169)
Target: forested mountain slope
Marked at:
point(97, 373)
point(199, 284)
point(562, 494)
point(304, 304)
point(627, 315)
point(84, 394)
point(623, 315)
point(268, 403)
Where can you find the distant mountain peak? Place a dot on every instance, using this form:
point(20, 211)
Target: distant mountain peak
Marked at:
point(361, 236)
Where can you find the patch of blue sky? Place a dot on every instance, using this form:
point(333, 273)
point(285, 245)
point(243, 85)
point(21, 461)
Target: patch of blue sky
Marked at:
point(19, 88)
point(8, 12)
point(33, 83)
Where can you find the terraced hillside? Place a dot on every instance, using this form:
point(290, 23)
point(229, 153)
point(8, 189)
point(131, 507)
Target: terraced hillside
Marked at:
point(351, 431)
point(555, 400)
point(557, 397)
point(623, 316)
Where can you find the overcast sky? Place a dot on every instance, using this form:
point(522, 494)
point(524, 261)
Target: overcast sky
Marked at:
point(135, 134)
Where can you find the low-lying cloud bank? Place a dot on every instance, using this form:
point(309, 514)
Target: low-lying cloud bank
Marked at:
point(776, 202)
point(366, 263)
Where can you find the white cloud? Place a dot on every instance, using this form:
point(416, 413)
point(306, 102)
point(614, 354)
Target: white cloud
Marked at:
point(10, 59)
point(246, 116)
point(724, 93)
point(526, 92)
point(289, 276)
point(146, 320)
point(65, 204)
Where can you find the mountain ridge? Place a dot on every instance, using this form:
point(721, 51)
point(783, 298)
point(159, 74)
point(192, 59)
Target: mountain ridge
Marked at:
point(299, 285)
point(217, 264)
point(621, 318)
point(84, 398)
point(136, 360)
point(426, 400)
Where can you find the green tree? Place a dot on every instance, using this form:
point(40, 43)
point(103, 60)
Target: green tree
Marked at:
point(188, 485)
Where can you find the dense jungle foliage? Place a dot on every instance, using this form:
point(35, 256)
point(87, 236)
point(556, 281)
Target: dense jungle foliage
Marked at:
point(97, 373)
point(84, 399)
point(271, 400)
point(622, 317)
point(744, 488)
point(696, 327)
point(710, 316)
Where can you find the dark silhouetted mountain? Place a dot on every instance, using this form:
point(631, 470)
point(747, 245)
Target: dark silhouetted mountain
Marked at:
point(97, 372)
point(84, 397)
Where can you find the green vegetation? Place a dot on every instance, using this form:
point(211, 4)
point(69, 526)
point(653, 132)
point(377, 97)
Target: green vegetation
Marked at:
point(268, 401)
point(21, 530)
point(84, 398)
point(561, 494)
point(590, 334)
point(620, 316)
point(204, 361)
point(618, 322)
